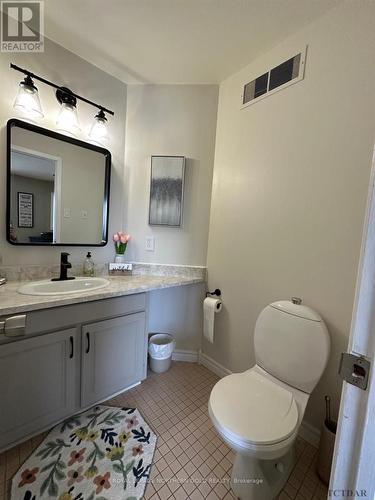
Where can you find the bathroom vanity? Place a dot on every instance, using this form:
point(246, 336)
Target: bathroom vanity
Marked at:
point(65, 346)
point(76, 350)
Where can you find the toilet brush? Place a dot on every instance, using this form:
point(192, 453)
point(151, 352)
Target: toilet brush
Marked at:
point(326, 444)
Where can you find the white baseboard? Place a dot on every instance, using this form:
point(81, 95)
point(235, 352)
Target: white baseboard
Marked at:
point(185, 355)
point(306, 431)
point(309, 433)
point(213, 365)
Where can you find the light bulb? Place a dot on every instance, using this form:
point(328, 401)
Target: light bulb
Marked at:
point(99, 132)
point(67, 121)
point(27, 100)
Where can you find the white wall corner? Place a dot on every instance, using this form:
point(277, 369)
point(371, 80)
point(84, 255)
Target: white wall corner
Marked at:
point(213, 365)
point(306, 431)
point(309, 433)
point(185, 355)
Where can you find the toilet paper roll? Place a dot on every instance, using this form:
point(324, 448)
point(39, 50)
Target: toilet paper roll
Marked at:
point(211, 307)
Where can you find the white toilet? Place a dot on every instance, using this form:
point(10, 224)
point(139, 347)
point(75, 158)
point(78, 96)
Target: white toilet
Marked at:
point(258, 412)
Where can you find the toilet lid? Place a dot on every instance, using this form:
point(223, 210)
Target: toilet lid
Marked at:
point(251, 408)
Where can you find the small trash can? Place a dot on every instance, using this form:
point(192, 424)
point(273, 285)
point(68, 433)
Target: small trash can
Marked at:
point(160, 349)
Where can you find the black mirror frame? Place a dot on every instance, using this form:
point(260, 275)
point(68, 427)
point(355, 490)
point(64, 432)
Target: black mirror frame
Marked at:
point(55, 135)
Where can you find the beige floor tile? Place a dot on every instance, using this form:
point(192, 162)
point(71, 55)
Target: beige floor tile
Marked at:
point(189, 451)
point(205, 489)
point(180, 494)
point(164, 492)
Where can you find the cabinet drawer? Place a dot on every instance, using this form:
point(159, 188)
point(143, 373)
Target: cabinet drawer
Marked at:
point(65, 316)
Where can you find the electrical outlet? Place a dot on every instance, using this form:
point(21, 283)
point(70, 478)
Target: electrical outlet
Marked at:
point(150, 243)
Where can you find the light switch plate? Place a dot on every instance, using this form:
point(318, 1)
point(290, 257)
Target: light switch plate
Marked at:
point(150, 243)
point(67, 213)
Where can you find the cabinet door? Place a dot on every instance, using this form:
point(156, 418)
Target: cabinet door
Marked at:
point(113, 356)
point(38, 384)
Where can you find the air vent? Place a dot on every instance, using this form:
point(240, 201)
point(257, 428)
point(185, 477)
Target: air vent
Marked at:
point(281, 76)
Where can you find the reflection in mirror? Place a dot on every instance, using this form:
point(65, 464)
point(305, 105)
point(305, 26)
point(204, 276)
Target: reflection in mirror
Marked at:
point(57, 188)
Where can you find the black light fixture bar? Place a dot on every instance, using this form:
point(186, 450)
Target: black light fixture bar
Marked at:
point(58, 87)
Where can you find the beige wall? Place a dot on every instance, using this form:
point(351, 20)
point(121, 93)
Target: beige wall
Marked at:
point(170, 120)
point(62, 66)
point(290, 183)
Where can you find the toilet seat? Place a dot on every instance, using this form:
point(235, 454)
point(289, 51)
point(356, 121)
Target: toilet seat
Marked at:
point(252, 411)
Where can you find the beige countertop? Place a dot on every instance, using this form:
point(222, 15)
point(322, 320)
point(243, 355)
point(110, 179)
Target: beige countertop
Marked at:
point(12, 302)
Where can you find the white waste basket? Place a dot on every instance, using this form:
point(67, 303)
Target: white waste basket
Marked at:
point(160, 349)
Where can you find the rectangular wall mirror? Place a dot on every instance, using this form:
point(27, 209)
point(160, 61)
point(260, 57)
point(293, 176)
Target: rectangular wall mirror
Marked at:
point(57, 188)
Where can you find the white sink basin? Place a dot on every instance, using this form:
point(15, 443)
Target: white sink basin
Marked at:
point(48, 287)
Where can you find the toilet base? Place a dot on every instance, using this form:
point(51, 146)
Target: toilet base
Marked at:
point(254, 479)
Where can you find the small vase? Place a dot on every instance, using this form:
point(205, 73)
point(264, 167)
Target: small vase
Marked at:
point(119, 258)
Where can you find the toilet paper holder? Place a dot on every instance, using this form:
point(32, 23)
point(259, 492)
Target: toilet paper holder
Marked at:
point(216, 292)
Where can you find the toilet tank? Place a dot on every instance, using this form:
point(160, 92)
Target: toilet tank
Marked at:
point(292, 344)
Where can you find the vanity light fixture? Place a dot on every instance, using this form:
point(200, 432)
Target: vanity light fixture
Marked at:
point(99, 132)
point(67, 122)
point(27, 100)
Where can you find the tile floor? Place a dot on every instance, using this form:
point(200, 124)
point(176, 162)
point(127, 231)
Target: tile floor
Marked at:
point(191, 461)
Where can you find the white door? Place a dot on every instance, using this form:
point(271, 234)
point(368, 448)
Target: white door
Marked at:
point(353, 469)
point(113, 357)
point(38, 383)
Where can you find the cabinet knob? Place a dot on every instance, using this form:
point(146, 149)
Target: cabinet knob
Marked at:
point(15, 325)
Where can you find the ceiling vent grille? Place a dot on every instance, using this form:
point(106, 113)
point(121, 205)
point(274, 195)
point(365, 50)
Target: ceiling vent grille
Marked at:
point(281, 76)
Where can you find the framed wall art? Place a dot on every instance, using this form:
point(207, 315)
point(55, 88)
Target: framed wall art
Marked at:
point(25, 204)
point(166, 190)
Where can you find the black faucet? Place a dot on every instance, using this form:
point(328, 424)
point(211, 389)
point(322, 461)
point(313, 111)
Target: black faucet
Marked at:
point(64, 266)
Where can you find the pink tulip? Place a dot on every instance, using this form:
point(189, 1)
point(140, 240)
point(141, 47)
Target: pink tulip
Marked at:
point(121, 238)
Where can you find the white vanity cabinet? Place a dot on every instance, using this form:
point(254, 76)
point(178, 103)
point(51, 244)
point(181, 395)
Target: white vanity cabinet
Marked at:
point(113, 356)
point(38, 383)
point(96, 350)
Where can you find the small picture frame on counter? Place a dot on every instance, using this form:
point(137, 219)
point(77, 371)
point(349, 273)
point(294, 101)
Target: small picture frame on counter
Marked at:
point(120, 269)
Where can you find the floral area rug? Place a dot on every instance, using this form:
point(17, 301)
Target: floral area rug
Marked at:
point(104, 453)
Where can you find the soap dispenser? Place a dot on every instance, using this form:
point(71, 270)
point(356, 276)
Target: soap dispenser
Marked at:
point(88, 266)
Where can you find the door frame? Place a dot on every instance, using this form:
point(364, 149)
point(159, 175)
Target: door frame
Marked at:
point(57, 186)
point(353, 469)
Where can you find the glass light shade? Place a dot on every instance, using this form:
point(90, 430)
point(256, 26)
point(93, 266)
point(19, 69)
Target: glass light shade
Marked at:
point(27, 101)
point(67, 121)
point(99, 132)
